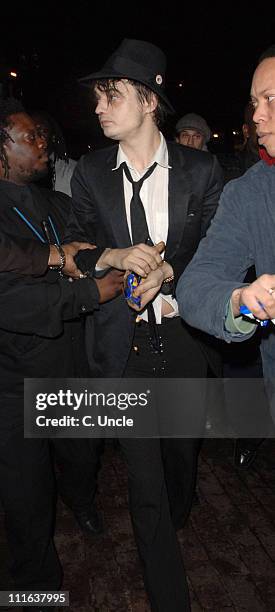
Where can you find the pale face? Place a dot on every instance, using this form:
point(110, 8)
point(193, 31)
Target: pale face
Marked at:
point(191, 138)
point(263, 100)
point(122, 117)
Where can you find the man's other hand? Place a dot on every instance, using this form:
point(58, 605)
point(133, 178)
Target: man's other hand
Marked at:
point(139, 258)
point(150, 286)
point(259, 297)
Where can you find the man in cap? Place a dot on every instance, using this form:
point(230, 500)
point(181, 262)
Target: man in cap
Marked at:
point(193, 131)
point(179, 190)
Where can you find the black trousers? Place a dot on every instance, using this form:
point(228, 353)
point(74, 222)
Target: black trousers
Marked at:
point(181, 358)
point(163, 570)
point(27, 493)
point(78, 464)
point(158, 470)
point(27, 496)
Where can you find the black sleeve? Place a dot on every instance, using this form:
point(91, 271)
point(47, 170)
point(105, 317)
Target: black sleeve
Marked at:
point(23, 256)
point(82, 222)
point(33, 306)
point(209, 205)
point(212, 195)
point(86, 260)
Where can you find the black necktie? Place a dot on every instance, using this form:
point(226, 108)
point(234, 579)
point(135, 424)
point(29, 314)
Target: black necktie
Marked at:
point(139, 227)
point(140, 233)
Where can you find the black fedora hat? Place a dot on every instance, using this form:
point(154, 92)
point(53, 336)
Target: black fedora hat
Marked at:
point(136, 60)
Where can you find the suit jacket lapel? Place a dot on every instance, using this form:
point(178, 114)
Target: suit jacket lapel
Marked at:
point(113, 195)
point(179, 192)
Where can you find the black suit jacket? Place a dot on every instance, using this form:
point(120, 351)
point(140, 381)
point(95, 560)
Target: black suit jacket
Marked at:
point(195, 183)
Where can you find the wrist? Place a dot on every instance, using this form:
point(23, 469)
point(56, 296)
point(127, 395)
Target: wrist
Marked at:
point(167, 287)
point(236, 302)
point(53, 256)
point(105, 259)
point(167, 271)
point(57, 257)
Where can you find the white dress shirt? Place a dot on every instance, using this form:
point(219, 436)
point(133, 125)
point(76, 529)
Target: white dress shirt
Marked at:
point(154, 196)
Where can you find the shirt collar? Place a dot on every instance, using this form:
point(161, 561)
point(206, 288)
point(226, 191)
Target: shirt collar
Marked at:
point(160, 157)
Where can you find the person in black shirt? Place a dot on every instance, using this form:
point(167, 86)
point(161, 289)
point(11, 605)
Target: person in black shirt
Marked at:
point(40, 314)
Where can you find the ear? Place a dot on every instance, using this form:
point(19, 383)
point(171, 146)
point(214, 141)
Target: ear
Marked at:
point(151, 105)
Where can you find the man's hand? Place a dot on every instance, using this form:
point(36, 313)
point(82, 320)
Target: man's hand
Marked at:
point(140, 258)
point(110, 286)
point(150, 286)
point(70, 250)
point(259, 297)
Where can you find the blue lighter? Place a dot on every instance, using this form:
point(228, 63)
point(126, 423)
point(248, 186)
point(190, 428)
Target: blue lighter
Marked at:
point(245, 311)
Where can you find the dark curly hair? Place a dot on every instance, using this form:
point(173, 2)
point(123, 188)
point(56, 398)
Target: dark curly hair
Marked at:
point(54, 136)
point(8, 107)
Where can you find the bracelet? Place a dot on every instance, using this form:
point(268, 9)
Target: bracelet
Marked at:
point(170, 278)
point(62, 256)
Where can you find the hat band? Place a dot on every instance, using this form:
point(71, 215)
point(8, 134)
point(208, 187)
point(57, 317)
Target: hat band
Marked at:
point(129, 69)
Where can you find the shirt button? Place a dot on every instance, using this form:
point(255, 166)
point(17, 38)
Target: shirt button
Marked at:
point(83, 308)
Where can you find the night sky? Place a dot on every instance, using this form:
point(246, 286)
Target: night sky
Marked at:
point(212, 52)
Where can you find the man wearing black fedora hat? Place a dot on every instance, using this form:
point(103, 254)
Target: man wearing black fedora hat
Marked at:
point(179, 190)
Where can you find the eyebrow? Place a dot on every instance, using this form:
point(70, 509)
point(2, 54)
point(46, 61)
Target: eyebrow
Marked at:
point(263, 92)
